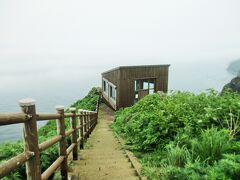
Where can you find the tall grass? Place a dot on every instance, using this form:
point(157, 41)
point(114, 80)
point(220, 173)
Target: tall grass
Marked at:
point(177, 156)
point(211, 145)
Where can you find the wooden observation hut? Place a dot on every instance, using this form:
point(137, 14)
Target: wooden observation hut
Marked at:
point(125, 85)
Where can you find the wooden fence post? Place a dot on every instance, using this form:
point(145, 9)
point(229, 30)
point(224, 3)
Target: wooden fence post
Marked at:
point(85, 124)
point(74, 134)
point(96, 119)
point(62, 143)
point(88, 124)
point(97, 108)
point(82, 129)
point(30, 133)
point(92, 122)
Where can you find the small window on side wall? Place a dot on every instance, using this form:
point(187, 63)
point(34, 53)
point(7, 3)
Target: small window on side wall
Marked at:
point(112, 92)
point(104, 86)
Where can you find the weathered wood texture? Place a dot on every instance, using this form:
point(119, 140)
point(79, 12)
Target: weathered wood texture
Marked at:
point(30, 134)
point(13, 118)
point(50, 142)
point(81, 130)
point(14, 163)
point(47, 116)
point(74, 134)
point(52, 168)
point(85, 124)
point(62, 144)
point(124, 77)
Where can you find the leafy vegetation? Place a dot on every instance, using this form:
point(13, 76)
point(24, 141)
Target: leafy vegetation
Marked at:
point(183, 135)
point(8, 150)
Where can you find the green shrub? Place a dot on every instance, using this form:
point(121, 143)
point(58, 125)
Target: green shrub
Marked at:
point(183, 135)
point(156, 120)
point(226, 168)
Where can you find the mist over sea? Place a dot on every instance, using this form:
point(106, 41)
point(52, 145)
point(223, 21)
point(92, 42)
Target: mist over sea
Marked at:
point(56, 83)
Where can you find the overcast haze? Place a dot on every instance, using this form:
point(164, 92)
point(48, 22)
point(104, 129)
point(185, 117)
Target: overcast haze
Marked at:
point(117, 31)
point(60, 42)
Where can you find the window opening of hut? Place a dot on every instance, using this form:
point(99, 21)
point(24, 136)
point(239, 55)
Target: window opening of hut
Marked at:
point(143, 87)
point(110, 91)
point(145, 84)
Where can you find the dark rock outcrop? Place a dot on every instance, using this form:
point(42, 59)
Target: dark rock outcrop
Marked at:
point(234, 85)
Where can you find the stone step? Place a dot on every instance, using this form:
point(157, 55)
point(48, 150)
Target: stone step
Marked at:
point(104, 160)
point(106, 151)
point(111, 169)
point(78, 177)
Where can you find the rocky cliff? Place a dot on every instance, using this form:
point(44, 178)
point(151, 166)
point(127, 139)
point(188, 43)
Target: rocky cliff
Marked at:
point(234, 85)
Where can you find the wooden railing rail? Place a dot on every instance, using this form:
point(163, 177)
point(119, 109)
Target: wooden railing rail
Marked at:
point(13, 118)
point(82, 124)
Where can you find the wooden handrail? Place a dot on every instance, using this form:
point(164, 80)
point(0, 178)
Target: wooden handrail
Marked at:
point(52, 168)
point(79, 127)
point(47, 116)
point(67, 115)
point(31, 155)
point(50, 142)
point(70, 148)
point(13, 118)
point(14, 163)
point(69, 132)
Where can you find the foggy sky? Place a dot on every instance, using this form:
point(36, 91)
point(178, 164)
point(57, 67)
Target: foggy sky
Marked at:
point(54, 51)
point(119, 32)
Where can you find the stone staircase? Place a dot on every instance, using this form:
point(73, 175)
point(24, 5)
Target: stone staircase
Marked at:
point(103, 157)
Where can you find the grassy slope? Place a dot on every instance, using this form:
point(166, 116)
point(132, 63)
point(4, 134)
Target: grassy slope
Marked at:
point(183, 135)
point(9, 150)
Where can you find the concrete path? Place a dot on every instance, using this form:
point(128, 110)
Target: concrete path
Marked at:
point(103, 157)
